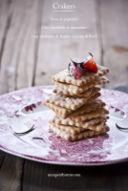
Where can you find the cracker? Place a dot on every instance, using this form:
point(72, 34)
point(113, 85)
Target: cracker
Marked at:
point(72, 89)
point(70, 125)
point(91, 115)
point(71, 103)
point(83, 124)
point(75, 130)
point(65, 92)
point(61, 111)
point(67, 128)
point(91, 105)
point(64, 77)
point(82, 135)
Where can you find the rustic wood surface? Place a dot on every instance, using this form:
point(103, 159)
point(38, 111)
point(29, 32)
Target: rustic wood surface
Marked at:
point(29, 59)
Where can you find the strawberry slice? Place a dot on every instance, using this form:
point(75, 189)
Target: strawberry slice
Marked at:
point(75, 70)
point(77, 73)
point(90, 65)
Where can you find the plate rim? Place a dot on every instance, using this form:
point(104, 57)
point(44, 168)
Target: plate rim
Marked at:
point(29, 157)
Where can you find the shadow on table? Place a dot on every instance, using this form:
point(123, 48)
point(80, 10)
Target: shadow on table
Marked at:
point(54, 177)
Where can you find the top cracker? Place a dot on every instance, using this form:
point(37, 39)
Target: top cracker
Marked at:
point(63, 76)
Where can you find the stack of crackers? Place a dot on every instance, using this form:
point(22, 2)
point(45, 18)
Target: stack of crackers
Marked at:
point(80, 113)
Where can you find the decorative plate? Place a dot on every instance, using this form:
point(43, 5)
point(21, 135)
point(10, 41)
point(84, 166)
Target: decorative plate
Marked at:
point(24, 131)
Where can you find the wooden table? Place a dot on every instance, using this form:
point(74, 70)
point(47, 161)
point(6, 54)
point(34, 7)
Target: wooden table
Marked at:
point(33, 46)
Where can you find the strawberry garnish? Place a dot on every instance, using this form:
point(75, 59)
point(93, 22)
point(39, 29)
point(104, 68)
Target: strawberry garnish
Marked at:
point(76, 68)
point(90, 65)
